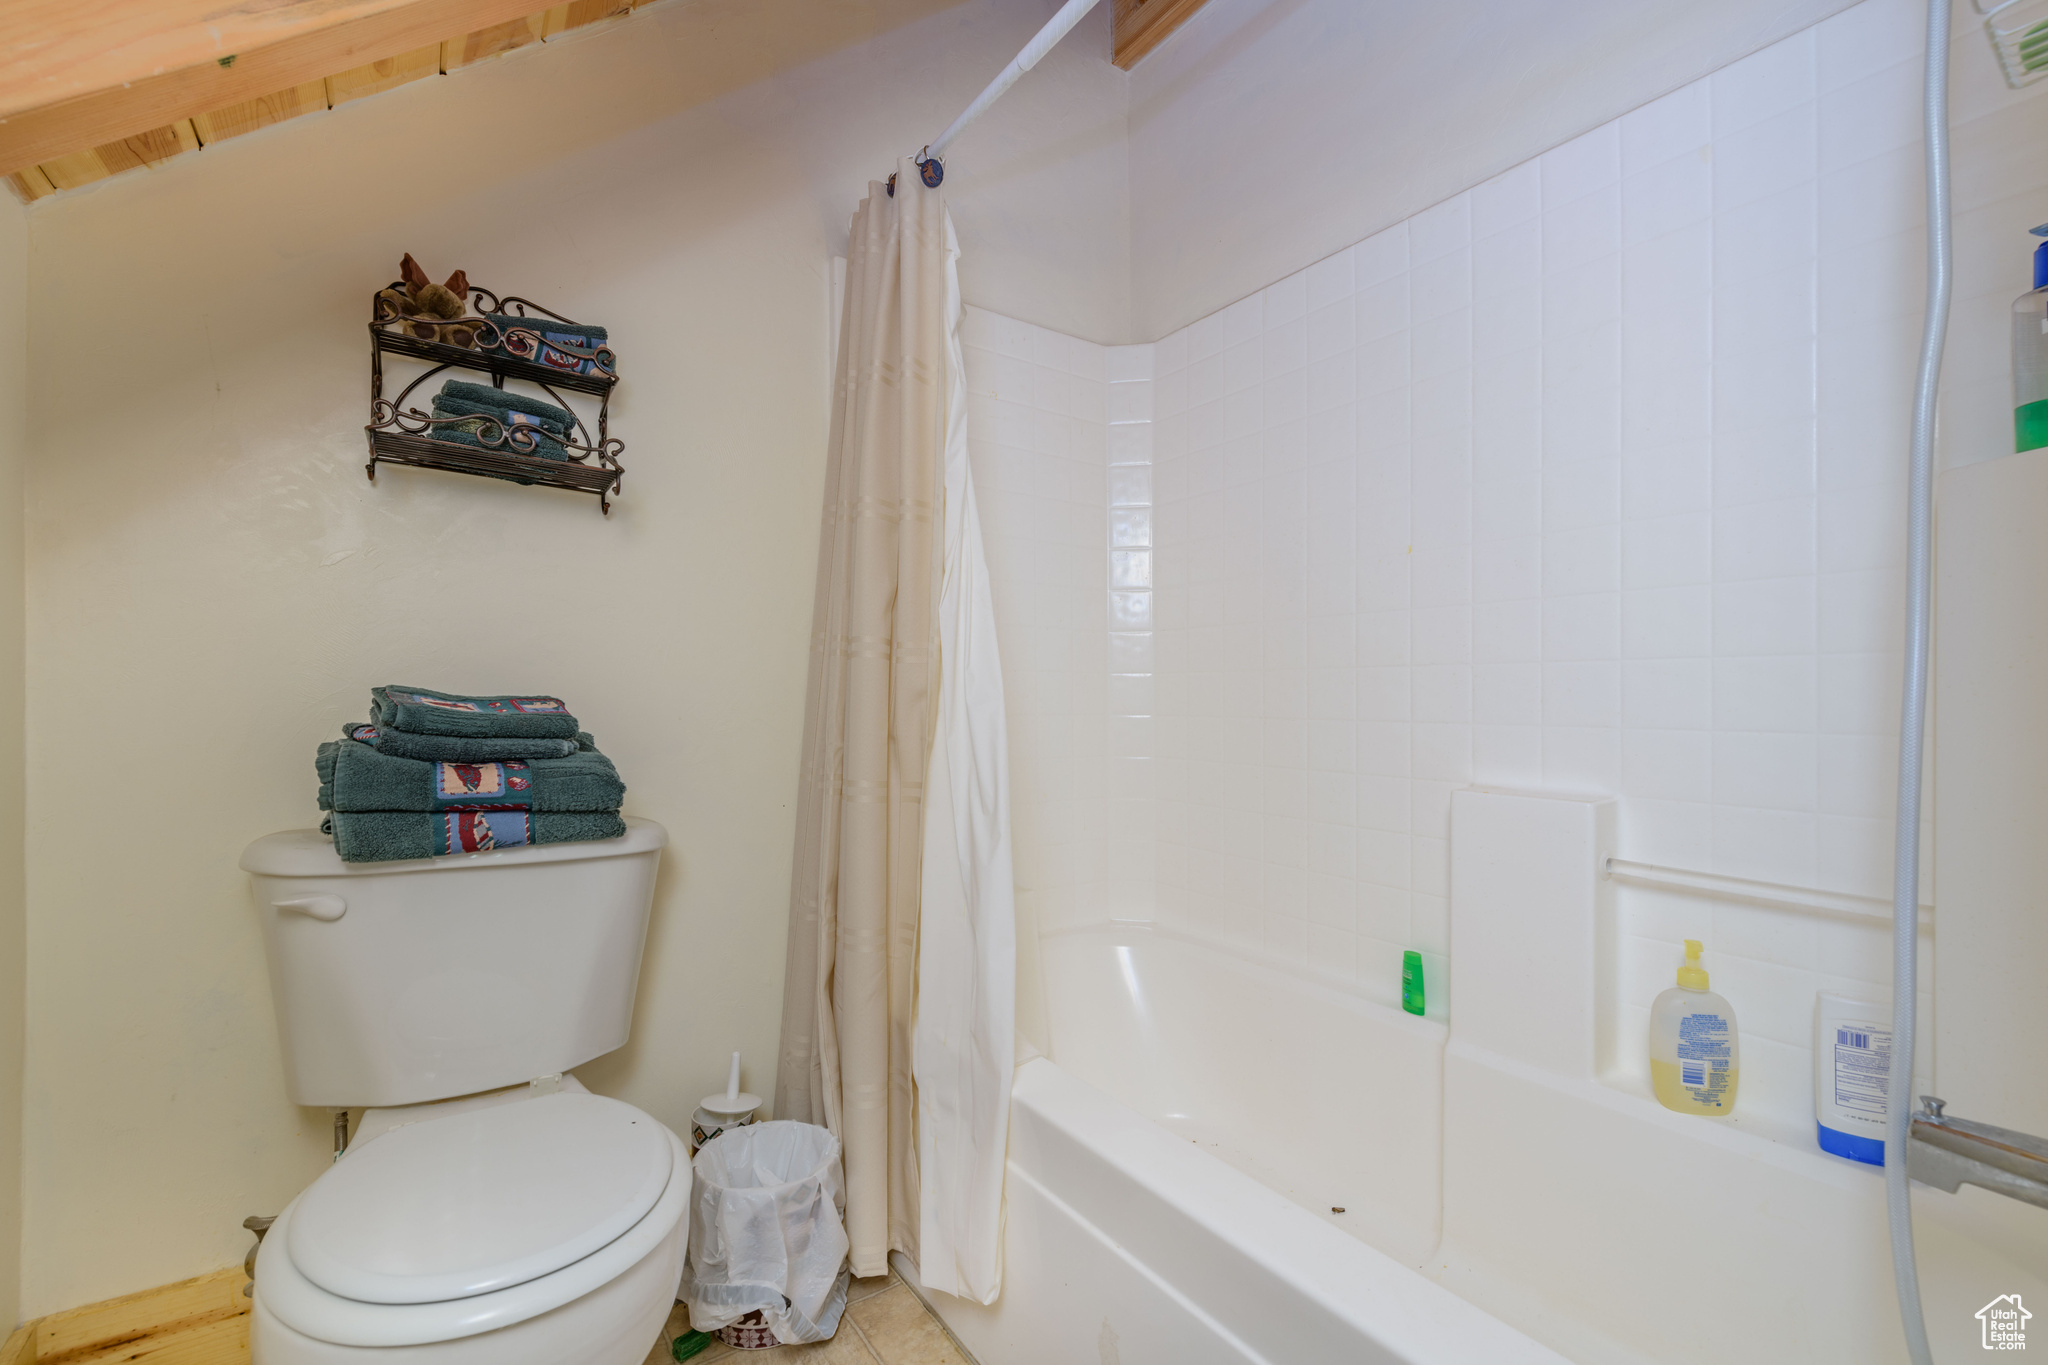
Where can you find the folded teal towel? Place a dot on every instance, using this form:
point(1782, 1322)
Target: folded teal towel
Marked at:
point(559, 420)
point(447, 748)
point(496, 431)
point(571, 347)
point(503, 422)
point(421, 712)
point(355, 777)
point(379, 836)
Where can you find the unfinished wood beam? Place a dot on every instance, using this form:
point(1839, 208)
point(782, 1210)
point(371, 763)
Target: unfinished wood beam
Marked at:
point(152, 148)
point(377, 77)
point(54, 50)
point(249, 115)
point(1142, 25)
point(371, 31)
point(577, 13)
point(30, 184)
point(492, 42)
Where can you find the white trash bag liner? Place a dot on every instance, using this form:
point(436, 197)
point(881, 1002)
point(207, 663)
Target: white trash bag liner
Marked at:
point(768, 1231)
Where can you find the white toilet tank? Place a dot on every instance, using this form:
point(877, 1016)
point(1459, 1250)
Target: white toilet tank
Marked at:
point(420, 980)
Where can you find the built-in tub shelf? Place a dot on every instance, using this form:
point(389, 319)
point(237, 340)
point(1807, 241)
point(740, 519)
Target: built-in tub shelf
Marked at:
point(512, 330)
point(1804, 900)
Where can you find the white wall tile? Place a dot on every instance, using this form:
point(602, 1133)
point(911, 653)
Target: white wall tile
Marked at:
point(1037, 441)
point(1665, 197)
point(1763, 84)
point(1588, 478)
point(1679, 124)
point(1508, 200)
point(1867, 38)
point(1767, 158)
point(1440, 230)
point(1586, 164)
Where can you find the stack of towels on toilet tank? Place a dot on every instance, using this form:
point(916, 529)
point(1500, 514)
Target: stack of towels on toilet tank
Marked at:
point(435, 773)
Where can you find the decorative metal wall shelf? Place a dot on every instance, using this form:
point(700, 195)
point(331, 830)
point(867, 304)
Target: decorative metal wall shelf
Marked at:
point(401, 435)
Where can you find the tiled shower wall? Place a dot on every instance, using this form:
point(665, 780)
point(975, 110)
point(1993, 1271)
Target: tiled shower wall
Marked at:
point(1589, 479)
point(1037, 435)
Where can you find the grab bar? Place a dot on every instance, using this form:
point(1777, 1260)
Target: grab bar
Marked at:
point(1803, 900)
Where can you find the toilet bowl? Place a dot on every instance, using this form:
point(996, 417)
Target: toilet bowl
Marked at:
point(489, 1208)
point(518, 1228)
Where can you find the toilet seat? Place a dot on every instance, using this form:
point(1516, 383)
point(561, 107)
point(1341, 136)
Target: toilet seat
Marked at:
point(480, 1201)
point(616, 1190)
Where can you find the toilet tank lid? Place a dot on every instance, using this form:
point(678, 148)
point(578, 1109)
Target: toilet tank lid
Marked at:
point(309, 853)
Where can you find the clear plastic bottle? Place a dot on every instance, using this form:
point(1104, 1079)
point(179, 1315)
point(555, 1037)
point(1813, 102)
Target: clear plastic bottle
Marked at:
point(2030, 356)
point(1695, 1051)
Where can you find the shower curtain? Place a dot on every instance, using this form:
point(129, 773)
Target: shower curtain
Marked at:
point(963, 1045)
point(850, 998)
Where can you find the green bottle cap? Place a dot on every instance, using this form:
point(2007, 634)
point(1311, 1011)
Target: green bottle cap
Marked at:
point(1411, 982)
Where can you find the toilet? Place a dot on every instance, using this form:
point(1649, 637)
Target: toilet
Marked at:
point(488, 1207)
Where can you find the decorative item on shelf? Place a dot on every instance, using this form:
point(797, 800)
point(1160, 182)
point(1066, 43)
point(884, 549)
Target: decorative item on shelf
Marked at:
point(428, 311)
point(486, 430)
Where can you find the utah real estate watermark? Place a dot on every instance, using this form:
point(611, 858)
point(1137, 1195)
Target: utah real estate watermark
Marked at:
point(2005, 1323)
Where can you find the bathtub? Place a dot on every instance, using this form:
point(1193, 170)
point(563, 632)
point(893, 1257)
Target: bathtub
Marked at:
point(1187, 1188)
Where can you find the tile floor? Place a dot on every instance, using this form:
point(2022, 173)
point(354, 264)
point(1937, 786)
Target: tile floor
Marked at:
point(885, 1324)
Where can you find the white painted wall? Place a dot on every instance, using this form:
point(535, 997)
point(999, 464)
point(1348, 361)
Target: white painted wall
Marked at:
point(14, 241)
point(214, 584)
point(1267, 134)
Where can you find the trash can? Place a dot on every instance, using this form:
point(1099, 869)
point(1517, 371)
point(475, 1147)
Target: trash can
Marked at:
point(768, 1232)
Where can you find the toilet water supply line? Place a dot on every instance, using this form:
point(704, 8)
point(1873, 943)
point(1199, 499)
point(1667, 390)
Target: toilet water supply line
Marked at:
point(1913, 701)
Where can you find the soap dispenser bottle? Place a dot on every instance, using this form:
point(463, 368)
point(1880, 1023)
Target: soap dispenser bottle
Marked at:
point(2030, 356)
point(1695, 1053)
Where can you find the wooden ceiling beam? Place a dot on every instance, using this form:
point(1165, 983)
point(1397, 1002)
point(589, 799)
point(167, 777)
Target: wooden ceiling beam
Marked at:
point(317, 47)
point(53, 50)
point(1142, 25)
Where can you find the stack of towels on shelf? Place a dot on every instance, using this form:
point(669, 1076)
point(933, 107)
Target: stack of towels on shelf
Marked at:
point(434, 773)
point(571, 347)
point(480, 415)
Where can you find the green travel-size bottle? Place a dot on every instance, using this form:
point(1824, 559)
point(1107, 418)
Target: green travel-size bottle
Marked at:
point(1411, 982)
point(2030, 356)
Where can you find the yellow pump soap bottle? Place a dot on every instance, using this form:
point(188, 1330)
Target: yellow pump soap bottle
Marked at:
point(1695, 1052)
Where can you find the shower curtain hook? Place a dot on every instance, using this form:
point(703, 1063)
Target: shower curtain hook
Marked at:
point(930, 169)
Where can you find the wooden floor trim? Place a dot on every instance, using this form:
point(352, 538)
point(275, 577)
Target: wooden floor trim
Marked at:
point(201, 1321)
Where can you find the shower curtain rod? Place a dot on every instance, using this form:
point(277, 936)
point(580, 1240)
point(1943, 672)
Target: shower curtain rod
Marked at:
point(1060, 25)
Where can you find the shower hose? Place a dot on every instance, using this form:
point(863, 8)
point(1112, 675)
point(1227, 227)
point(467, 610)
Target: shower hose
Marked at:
point(1913, 701)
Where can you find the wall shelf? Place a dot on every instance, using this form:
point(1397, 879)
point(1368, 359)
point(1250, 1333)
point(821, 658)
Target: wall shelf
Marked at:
point(407, 436)
point(497, 366)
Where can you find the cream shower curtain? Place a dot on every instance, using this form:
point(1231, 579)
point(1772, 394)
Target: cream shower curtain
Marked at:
point(964, 1044)
point(850, 992)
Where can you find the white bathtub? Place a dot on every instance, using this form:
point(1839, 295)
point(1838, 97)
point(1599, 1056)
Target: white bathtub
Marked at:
point(1174, 1170)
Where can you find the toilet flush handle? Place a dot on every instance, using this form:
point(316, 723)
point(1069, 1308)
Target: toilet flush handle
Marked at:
point(319, 907)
